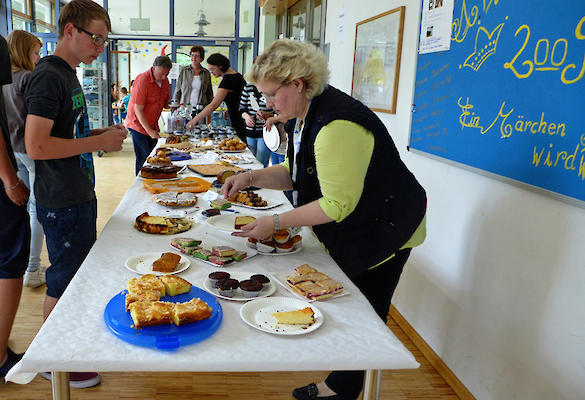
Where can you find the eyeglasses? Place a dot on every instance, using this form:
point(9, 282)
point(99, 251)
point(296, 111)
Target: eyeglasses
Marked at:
point(270, 97)
point(97, 39)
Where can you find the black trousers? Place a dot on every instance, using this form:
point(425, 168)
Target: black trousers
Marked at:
point(378, 286)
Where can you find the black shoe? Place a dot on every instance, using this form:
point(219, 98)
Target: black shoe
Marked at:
point(13, 359)
point(310, 392)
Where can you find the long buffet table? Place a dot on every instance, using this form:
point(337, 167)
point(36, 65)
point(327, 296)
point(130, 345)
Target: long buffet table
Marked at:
point(75, 337)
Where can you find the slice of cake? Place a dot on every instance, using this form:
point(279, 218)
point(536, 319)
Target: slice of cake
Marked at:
point(143, 295)
point(167, 262)
point(223, 251)
point(146, 282)
point(191, 311)
point(312, 276)
point(304, 269)
point(305, 316)
point(239, 255)
point(243, 220)
point(149, 313)
point(201, 253)
point(175, 285)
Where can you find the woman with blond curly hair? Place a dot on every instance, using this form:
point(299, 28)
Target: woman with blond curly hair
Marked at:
point(349, 183)
point(24, 50)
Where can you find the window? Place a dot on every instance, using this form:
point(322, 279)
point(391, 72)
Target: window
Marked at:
point(247, 18)
point(215, 18)
point(45, 15)
point(142, 17)
point(21, 15)
point(245, 57)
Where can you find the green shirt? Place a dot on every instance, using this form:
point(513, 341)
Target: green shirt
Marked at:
point(352, 146)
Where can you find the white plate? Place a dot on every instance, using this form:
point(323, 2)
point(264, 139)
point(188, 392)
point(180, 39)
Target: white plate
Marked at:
point(267, 290)
point(271, 138)
point(142, 264)
point(256, 313)
point(223, 222)
point(251, 253)
point(280, 278)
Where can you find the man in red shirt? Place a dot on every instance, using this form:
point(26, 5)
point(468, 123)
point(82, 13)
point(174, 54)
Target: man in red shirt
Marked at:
point(151, 93)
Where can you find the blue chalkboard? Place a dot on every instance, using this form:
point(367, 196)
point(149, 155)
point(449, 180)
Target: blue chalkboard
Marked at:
point(509, 96)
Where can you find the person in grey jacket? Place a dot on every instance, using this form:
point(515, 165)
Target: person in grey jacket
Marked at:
point(194, 82)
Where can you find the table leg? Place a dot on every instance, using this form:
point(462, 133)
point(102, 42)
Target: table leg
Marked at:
point(372, 384)
point(60, 382)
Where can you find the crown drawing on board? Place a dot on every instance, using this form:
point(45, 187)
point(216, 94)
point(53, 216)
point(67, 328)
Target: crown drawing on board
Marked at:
point(486, 44)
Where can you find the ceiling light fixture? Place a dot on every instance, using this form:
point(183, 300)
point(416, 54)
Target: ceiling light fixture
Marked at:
point(202, 22)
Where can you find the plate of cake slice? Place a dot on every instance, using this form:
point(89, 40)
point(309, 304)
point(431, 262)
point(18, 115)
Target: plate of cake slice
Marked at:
point(161, 263)
point(282, 315)
point(309, 284)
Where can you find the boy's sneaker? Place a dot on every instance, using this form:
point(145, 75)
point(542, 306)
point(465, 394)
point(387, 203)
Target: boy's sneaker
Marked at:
point(35, 278)
point(79, 380)
point(13, 358)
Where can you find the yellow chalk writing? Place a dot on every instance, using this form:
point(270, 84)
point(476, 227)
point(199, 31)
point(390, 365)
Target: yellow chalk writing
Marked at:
point(508, 124)
point(466, 20)
point(547, 58)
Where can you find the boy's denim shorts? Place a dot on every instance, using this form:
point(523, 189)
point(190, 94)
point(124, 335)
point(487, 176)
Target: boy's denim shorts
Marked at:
point(70, 233)
point(14, 238)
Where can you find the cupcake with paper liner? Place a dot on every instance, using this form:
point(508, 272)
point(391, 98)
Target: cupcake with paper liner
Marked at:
point(251, 288)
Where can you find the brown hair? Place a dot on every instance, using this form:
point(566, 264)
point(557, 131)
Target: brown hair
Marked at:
point(198, 49)
point(80, 13)
point(20, 45)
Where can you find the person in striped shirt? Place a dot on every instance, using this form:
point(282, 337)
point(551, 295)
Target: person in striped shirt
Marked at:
point(254, 112)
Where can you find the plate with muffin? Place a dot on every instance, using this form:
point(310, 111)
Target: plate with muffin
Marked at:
point(238, 285)
point(160, 263)
point(282, 315)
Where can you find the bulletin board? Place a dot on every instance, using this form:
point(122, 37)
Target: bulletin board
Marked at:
point(508, 97)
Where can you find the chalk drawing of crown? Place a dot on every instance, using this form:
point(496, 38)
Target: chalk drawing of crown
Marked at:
point(486, 44)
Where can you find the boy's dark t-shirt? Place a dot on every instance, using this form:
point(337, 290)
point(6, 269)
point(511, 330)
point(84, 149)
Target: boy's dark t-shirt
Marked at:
point(234, 83)
point(54, 93)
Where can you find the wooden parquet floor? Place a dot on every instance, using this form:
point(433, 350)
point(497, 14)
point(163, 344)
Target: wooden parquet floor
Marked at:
point(114, 173)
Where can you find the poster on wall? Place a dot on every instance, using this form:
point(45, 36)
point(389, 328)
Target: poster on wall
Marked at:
point(435, 26)
point(506, 99)
point(376, 63)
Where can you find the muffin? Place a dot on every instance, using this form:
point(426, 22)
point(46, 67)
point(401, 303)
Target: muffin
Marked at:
point(284, 247)
point(251, 288)
point(228, 287)
point(263, 279)
point(297, 241)
point(217, 276)
point(281, 236)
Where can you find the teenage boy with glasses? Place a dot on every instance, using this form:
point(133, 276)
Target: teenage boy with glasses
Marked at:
point(58, 138)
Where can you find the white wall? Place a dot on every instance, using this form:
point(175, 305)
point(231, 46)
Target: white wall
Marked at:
point(497, 288)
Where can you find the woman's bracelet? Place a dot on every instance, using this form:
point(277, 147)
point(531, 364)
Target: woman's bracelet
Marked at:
point(15, 186)
point(251, 177)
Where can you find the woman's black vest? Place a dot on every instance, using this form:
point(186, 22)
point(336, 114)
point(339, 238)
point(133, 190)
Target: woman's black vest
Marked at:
point(392, 204)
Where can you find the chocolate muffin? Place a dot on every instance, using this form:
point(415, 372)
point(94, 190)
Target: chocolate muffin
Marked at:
point(251, 288)
point(228, 287)
point(217, 276)
point(260, 278)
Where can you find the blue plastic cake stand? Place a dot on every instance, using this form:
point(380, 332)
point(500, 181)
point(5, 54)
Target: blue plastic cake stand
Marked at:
point(163, 337)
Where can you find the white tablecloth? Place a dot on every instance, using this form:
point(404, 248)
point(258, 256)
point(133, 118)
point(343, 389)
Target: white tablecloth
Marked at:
point(75, 337)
